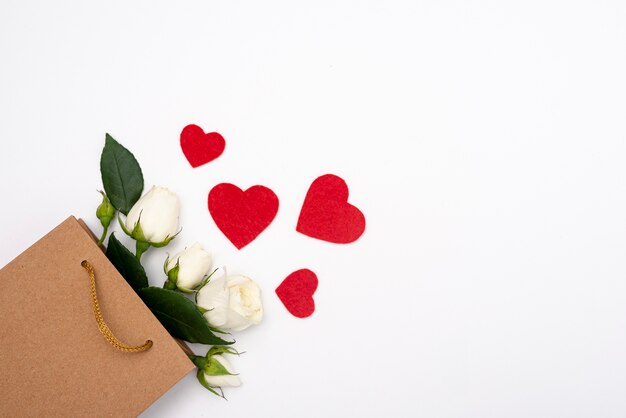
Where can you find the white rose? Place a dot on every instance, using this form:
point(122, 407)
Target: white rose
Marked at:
point(232, 302)
point(157, 213)
point(193, 265)
point(224, 380)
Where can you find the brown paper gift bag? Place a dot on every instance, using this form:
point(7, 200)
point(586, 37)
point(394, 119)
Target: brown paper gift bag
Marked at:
point(53, 359)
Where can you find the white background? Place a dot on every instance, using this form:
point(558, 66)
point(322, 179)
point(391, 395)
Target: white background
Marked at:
point(483, 140)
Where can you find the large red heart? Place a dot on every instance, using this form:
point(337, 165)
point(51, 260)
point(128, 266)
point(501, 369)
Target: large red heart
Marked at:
point(296, 292)
point(326, 213)
point(240, 215)
point(200, 148)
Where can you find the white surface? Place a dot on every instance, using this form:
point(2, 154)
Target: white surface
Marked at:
point(483, 140)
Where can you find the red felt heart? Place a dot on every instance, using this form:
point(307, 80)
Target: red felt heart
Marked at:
point(200, 148)
point(326, 213)
point(296, 293)
point(240, 215)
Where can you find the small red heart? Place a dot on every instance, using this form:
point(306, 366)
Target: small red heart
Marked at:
point(296, 293)
point(240, 215)
point(326, 213)
point(200, 148)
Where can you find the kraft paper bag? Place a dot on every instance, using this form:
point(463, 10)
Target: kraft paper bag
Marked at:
point(53, 359)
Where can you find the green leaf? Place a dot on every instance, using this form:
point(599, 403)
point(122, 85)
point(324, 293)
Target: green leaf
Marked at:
point(127, 264)
point(121, 175)
point(179, 316)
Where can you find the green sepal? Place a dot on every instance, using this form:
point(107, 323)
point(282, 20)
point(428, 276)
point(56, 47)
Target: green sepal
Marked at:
point(204, 282)
point(220, 349)
point(219, 331)
point(137, 232)
point(169, 285)
point(167, 260)
point(214, 368)
point(105, 212)
point(138, 235)
point(172, 278)
point(121, 175)
point(123, 225)
point(172, 275)
point(203, 382)
point(166, 241)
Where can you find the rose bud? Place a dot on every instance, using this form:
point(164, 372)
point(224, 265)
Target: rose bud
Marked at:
point(153, 220)
point(188, 268)
point(219, 372)
point(214, 370)
point(231, 302)
point(105, 213)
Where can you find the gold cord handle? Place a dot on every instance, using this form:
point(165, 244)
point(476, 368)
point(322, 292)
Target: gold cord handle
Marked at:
point(104, 328)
